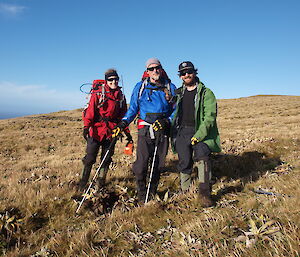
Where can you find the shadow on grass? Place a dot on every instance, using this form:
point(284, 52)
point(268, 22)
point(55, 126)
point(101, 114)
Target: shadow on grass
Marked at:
point(125, 179)
point(247, 167)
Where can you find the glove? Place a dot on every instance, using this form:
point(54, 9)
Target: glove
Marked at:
point(85, 133)
point(194, 140)
point(119, 128)
point(160, 125)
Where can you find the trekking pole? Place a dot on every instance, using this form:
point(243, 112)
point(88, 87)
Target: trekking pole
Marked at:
point(152, 168)
point(96, 174)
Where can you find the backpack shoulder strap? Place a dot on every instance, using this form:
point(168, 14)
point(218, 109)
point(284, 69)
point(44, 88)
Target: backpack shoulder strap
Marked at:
point(145, 82)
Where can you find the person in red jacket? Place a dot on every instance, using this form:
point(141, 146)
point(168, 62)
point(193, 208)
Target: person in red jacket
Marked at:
point(105, 110)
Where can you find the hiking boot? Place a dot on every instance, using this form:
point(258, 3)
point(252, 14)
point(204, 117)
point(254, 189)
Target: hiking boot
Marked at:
point(141, 198)
point(205, 195)
point(141, 191)
point(85, 177)
point(185, 181)
point(152, 190)
point(204, 176)
point(101, 182)
point(102, 177)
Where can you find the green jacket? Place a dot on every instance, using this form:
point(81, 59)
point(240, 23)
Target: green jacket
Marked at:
point(205, 117)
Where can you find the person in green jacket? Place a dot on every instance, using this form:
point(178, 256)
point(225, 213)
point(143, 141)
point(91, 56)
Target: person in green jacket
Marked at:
point(195, 131)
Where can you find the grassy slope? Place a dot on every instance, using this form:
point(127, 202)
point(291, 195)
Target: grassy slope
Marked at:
point(40, 160)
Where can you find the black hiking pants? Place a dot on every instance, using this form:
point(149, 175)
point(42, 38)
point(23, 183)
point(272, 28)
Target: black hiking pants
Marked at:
point(92, 150)
point(188, 153)
point(144, 157)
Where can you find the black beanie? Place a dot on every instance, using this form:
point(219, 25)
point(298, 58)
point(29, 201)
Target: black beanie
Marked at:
point(110, 74)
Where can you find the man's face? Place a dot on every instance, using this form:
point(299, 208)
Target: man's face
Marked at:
point(188, 76)
point(112, 82)
point(154, 72)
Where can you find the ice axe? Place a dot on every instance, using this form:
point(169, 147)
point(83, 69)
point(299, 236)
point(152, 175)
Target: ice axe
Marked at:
point(96, 174)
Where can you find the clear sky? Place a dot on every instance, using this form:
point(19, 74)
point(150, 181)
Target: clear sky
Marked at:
point(49, 48)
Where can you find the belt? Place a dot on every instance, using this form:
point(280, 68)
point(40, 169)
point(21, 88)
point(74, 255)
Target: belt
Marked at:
point(151, 131)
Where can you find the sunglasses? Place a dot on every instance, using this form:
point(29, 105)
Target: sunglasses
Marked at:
point(182, 73)
point(113, 79)
point(154, 68)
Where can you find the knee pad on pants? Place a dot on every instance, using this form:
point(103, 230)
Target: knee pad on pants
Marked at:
point(201, 152)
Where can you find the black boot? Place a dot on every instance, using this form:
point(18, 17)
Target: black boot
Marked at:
point(205, 195)
point(141, 191)
point(154, 184)
point(204, 176)
point(85, 177)
point(102, 177)
point(152, 191)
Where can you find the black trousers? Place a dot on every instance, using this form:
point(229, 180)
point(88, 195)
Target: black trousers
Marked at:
point(188, 153)
point(145, 151)
point(92, 150)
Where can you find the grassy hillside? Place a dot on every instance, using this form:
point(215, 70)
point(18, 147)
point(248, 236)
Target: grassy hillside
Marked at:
point(40, 161)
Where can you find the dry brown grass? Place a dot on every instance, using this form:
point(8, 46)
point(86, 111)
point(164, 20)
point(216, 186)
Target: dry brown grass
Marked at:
point(40, 160)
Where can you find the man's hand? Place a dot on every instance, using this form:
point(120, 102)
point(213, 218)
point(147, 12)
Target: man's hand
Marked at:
point(85, 133)
point(119, 128)
point(160, 125)
point(194, 140)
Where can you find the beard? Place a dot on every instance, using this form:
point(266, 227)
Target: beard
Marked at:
point(189, 81)
point(155, 77)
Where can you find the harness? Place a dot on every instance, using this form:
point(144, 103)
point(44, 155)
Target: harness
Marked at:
point(151, 131)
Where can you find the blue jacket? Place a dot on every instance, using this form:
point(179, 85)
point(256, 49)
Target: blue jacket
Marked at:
point(150, 103)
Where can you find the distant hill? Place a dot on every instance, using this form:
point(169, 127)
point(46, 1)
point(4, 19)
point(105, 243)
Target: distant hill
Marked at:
point(256, 190)
point(10, 115)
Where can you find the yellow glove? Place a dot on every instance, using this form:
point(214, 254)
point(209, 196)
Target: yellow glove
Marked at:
point(119, 128)
point(194, 140)
point(160, 125)
point(116, 132)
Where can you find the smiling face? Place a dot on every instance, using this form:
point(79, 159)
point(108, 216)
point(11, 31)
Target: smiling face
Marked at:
point(188, 76)
point(154, 71)
point(112, 82)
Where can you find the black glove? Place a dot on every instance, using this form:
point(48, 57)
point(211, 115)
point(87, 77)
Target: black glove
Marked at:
point(119, 128)
point(160, 125)
point(85, 133)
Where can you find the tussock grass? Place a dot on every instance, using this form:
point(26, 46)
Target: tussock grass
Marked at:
point(40, 161)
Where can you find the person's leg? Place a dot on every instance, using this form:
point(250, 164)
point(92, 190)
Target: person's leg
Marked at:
point(140, 166)
point(161, 152)
point(88, 160)
point(202, 163)
point(184, 150)
point(106, 145)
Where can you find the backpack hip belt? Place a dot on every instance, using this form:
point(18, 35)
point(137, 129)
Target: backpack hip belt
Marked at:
point(151, 131)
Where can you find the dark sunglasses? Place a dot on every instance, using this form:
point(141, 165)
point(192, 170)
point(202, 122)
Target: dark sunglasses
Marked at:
point(116, 79)
point(182, 73)
point(154, 68)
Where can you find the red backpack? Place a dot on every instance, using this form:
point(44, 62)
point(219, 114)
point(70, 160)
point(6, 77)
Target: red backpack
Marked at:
point(98, 87)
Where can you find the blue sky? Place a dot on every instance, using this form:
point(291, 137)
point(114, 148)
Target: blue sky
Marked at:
point(49, 48)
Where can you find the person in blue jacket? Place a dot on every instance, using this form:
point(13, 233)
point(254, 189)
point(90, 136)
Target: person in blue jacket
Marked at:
point(152, 100)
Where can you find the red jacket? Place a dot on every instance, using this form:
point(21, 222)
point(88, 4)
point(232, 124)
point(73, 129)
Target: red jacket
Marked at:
point(104, 112)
